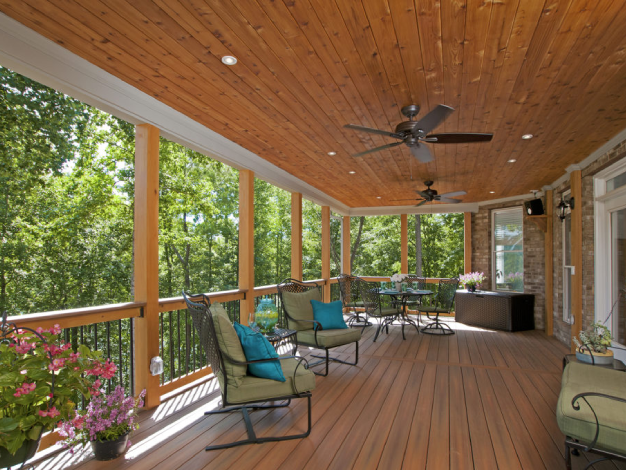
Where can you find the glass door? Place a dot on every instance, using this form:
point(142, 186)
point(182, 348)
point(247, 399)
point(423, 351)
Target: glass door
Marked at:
point(618, 275)
point(568, 269)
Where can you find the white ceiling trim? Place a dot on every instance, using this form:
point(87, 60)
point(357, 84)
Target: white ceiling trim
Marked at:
point(425, 209)
point(28, 53)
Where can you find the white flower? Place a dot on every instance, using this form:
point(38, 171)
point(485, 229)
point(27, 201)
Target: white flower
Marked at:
point(397, 277)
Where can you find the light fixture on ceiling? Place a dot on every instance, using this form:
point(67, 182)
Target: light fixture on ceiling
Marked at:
point(512, 160)
point(332, 154)
point(527, 136)
point(229, 60)
point(352, 172)
point(562, 207)
point(379, 197)
point(492, 192)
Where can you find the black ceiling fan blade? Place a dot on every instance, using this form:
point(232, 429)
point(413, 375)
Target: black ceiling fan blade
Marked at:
point(422, 203)
point(421, 152)
point(360, 154)
point(458, 138)
point(453, 194)
point(448, 200)
point(434, 118)
point(371, 130)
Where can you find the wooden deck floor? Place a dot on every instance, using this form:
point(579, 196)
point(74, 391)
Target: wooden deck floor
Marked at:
point(478, 399)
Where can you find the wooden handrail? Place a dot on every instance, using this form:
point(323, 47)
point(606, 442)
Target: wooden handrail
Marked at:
point(177, 303)
point(79, 316)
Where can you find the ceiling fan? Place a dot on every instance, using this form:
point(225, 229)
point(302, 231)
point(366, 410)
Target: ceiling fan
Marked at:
point(414, 133)
point(429, 195)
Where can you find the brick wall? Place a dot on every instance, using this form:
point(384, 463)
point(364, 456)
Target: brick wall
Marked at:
point(534, 269)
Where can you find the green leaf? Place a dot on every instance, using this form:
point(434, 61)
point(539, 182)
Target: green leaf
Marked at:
point(8, 424)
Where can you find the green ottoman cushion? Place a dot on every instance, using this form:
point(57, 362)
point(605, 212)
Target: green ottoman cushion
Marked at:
point(298, 306)
point(254, 389)
point(329, 338)
point(581, 425)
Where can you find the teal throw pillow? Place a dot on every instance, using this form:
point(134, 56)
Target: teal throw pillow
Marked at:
point(256, 346)
point(329, 315)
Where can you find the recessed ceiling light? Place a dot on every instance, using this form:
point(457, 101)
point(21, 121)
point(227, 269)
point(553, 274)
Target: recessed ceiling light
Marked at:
point(379, 197)
point(527, 136)
point(352, 172)
point(512, 160)
point(229, 60)
point(332, 154)
point(492, 192)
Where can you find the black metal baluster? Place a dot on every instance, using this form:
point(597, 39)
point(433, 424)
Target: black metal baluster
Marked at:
point(178, 366)
point(132, 356)
point(171, 341)
point(121, 358)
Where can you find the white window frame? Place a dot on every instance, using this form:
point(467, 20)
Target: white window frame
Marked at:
point(493, 241)
point(603, 203)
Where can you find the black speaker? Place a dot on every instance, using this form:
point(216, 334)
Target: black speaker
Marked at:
point(534, 207)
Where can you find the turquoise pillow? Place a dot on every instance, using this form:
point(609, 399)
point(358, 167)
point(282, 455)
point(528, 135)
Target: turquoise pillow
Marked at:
point(256, 346)
point(329, 315)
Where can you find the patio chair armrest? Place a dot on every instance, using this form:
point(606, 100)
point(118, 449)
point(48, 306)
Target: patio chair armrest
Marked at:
point(576, 406)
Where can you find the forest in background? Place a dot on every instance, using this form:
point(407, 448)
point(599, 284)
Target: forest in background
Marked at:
point(66, 214)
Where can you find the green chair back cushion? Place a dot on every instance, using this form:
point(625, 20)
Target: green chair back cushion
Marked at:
point(298, 306)
point(229, 344)
point(330, 315)
point(256, 347)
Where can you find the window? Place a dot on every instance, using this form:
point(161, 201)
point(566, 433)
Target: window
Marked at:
point(508, 250)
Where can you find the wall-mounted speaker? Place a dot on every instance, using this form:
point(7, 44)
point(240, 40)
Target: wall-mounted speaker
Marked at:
point(534, 207)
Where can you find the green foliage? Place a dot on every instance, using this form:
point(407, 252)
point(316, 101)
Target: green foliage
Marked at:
point(311, 240)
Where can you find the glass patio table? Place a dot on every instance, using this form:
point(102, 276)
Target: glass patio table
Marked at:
point(401, 298)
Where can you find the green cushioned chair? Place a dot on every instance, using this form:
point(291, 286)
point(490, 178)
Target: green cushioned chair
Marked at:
point(295, 298)
point(443, 302)
point(591, 411)
point(241, 391)
point(350, 289)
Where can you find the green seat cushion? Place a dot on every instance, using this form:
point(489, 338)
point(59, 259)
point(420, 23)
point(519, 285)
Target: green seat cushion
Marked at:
point(229, 343)
point(329, 315)
point(256, 389)
point(581, 425)
point(384, 312)
point(329, 338)
point(428, 309)
point(256, 347)
point(298, 306)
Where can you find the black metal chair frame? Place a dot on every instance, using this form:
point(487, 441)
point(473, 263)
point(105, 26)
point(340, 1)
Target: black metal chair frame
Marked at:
point(422, 286)
point(370, 293)
point(203, 321)
point(294, 285)
point(573, 445)
point(444, 299)
point(350, 287)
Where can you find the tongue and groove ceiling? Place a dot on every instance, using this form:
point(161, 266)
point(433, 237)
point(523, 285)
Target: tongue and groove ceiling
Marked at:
point(554, 69)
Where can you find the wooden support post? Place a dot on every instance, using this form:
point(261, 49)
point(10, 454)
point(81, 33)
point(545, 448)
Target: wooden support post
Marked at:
point(326, 251)
point(404, 244)
point(246, 241)
point(146, 259)
point(467, 235)
point(346, 268)
point(548, 240)
point(577, 253)
point(296, 236)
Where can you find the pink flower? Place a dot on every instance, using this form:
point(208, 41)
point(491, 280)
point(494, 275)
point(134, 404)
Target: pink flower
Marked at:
point(74, 357)
point(56, 329)
point(57, 363)
point(51, 413)
point(25, 389)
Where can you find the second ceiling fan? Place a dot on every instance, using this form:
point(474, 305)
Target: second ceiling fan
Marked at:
point(415, 133)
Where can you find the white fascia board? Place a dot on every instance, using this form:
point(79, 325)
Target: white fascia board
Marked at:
point(28, 53)
point(425, 209)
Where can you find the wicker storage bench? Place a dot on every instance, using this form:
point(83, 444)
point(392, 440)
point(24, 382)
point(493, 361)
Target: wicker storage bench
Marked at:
point(497, 310)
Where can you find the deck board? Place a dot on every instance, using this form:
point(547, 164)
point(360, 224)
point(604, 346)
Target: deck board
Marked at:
point(478, 399)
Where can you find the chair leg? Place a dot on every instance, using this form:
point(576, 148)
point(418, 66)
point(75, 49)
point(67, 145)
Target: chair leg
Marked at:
point(327, 358)
point(252, 437)
point(437, 328)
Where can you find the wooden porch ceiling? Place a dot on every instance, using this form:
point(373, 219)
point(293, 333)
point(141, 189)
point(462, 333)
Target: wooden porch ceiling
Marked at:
point(308, 67)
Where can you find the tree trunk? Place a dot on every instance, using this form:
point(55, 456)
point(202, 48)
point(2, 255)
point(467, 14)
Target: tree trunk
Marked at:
point(357, 242)
point(418, 244)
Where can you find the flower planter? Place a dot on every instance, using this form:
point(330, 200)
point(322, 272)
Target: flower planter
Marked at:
point(600, 359)
point(24, 453)
point(109, 450)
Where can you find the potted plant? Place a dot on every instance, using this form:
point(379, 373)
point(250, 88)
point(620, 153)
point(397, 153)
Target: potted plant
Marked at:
point(105, 425)
point(397, 278)
point(40, 376)
point(592, 344)
point(472, 280)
